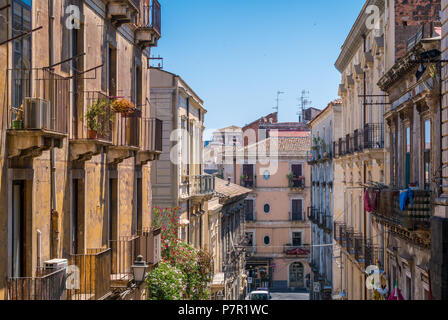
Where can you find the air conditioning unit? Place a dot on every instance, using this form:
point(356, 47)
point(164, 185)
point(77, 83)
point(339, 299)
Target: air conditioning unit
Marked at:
point(56, 264)
point(37, 114)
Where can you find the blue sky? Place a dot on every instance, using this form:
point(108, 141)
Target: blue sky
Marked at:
point(236, 55)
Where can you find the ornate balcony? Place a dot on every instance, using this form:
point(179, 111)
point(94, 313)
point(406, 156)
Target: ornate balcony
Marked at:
point(413, 217)
point(149, 24)
point(37, 117)
point(296, 251)
point(122, 11)
point(198, 187)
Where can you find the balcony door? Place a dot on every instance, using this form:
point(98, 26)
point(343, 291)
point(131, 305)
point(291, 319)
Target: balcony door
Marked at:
point(297, 210)
point(18, 229)
point(248, 171)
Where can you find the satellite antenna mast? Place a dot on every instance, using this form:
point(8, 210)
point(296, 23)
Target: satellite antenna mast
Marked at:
point(277, 108)
point(304, 102)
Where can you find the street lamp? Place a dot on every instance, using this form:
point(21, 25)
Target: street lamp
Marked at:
point(139, 270)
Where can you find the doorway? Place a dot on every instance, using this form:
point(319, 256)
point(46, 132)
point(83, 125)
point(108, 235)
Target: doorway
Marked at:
point(18, 229)
point(296, 275)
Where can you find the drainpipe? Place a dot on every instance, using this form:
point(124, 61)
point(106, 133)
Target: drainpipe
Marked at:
point(54, 213)
point(364, 164)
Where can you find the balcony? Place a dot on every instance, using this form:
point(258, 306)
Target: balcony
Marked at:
point(122, 11)
point(297, 184)
point(92, 280)
point(152, 140)
point(339, 231)
point(48, 285)
point(414, 217)
point(125, 137)
point(37, 118)
point(373, 255)
point(92, 128)
point(373, 136)
point(359, 249)
point(296, 251)
point(349, 240)
point(198, 187)
point(247, 182)
point(124, 253)
point(149, 24)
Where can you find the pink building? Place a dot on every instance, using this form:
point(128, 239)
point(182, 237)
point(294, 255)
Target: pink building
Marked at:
point(276, 221)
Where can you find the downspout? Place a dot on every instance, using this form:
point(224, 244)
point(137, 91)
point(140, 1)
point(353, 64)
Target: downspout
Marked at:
point(54, 213)
point(364, 164)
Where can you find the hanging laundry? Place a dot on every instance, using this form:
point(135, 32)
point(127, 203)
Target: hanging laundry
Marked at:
point(396, 293)
point(406, 196)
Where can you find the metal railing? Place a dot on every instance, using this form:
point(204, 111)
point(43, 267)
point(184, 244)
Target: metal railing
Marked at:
point(297, 183)
point(414, 216)
point(126, 131)
point(30, 87)
point(151, 15)
point(349, 237)
point(373, 254)
point(47, 285)
point(124, 253)
point(105, 121)
point(373, 136)
point(359, 248)
point(152, 136)
point(93, 280)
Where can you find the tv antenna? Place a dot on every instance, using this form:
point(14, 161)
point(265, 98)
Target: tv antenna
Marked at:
point(277, 108)
point(304, 102)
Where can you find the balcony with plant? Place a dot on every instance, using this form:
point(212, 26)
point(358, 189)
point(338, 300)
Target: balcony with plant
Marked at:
point(295, 182)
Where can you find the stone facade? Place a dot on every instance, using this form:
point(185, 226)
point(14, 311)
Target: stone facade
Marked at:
point(65, 196)
point(325, 207)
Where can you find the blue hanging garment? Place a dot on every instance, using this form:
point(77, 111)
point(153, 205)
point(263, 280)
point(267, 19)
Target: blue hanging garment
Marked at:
point(403, 199)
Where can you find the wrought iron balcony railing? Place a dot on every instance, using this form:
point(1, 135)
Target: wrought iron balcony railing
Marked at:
point(47, 285)
point(291, 250)
point(93, 281)
point(202, 185)
point(373, 136)
point(414, 216)
point(39, 100)
point(152, 135)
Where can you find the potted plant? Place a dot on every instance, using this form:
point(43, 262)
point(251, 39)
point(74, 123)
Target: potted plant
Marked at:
point(291, 178)
point(17, 123)
point(95, 113)
point(123, 106)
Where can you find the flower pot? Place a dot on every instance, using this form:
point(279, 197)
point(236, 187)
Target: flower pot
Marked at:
point(17, 124)
point(91, 134)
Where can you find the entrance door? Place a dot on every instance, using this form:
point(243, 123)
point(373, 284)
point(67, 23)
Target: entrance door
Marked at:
point(296, 275)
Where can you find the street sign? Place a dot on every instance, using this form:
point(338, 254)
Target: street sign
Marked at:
point(316, 286)
point(249, 280)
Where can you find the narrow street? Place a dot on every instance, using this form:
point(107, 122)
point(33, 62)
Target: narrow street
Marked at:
point(283, 296)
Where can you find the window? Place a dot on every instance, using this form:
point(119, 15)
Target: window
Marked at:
point(250, 239)
point(409, 288)
point(427, 154)
point(267, 240)
point(267, 175)
point(297, 210)
point(267, 208)
point(296, 239)
point(407, 175)
point(21, 21)
point(249, 210)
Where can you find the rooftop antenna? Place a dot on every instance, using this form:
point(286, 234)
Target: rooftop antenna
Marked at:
point(278, 101)
point(304, 102)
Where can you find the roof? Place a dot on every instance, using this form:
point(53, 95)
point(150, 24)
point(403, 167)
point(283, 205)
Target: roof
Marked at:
point(263, 119)
point(330, 105)
point(226, 190)
point(286, 146)
point(291, 134)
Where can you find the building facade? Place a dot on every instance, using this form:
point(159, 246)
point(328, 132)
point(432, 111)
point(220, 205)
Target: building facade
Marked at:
point(362, 154)
point(414, 150)
point(178, 179)
point(277, 228)
point(75, 168)
point(325, 207)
